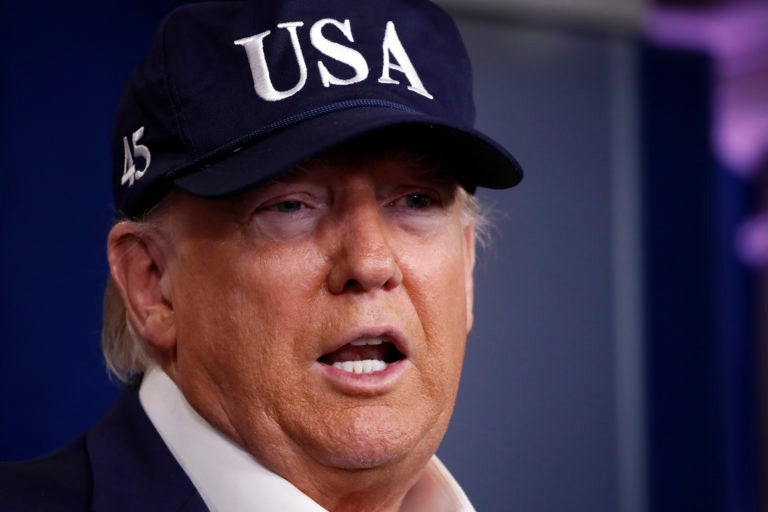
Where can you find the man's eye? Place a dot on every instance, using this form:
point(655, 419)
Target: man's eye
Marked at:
point(418, 201)
point(288, 206)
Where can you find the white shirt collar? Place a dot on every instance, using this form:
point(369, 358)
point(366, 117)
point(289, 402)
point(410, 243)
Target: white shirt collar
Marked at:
point(229, 479)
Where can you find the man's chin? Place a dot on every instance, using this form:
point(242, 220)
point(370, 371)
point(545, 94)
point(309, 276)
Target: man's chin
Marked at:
point(373, 441)
point(375, 454)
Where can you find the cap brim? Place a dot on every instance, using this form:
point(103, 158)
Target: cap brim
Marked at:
point(483, 162)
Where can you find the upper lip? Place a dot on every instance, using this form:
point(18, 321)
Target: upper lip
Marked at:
point(391, 334)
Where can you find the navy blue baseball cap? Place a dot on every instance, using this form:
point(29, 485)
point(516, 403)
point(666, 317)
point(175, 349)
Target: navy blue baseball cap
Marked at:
point(233, 94)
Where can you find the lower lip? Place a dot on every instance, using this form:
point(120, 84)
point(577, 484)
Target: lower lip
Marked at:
point(365, 383)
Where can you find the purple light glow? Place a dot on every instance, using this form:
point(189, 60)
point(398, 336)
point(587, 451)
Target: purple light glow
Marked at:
point(741, 128)
point(724, 31)
point(752, 241)
point(736, 36)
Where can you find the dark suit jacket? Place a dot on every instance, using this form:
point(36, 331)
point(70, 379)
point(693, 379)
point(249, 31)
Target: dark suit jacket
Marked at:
point(121, 464)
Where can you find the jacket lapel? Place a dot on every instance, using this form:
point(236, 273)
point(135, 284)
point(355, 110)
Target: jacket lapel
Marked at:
point(132, 467)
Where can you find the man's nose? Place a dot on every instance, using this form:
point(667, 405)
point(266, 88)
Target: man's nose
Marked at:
point(364, 259)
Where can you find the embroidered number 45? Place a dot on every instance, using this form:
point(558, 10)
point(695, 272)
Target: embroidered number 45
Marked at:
point(134, 151)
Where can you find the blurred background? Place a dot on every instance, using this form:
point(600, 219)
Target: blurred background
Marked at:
point(619, 356)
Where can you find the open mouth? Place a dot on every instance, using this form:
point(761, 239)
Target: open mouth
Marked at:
point(365, 355)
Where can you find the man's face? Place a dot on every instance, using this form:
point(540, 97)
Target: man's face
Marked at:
point(277, 293)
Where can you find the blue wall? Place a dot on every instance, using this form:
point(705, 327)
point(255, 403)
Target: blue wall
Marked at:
point(64, 66)
point(702, 408)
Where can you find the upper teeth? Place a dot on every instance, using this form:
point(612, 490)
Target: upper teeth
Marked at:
point(367, 341)
point(366, 366)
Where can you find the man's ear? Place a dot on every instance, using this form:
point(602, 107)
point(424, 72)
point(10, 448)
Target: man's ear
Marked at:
point(137, 261)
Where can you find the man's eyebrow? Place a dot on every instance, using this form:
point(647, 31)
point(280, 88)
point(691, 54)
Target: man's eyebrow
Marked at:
point(298, 172)
point(438, 174)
